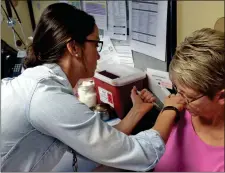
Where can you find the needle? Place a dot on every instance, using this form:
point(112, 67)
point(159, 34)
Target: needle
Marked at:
point(156, 105)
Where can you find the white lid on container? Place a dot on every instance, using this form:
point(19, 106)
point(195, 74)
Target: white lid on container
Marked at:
point(127, 74)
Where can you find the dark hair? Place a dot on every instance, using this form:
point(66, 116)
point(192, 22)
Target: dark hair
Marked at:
point(58, 23)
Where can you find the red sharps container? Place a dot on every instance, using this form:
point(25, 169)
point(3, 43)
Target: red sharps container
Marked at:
point(113, 84)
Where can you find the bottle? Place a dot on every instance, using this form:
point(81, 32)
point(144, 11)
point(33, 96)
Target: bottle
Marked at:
point(87, 94)
point(102, 110)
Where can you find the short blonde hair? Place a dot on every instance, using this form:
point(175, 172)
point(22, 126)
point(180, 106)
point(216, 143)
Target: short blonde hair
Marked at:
point(199, 62)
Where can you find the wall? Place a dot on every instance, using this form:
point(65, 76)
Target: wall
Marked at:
point(6, 32)
point(194, 15)
point(39, 6)
point(191, 15)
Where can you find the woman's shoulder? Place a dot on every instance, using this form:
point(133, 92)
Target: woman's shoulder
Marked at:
point(184, 122)
point(187, 115)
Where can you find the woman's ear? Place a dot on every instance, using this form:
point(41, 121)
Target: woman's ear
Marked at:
point(73, 49)
point(221, 97)
point(77, 52)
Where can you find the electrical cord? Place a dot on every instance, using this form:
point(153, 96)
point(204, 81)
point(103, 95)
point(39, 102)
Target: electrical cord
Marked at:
point(15, 11)
point(13, 29)
point(20, 23)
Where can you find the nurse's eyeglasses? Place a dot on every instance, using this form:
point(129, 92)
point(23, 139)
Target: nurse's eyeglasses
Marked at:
point(99, 44)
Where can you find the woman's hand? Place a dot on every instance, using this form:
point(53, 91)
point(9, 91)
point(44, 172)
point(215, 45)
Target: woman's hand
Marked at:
point(176, 101)
point(143, 102)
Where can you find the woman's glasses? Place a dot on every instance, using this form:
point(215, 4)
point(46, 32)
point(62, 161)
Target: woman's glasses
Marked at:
point(99, 44)
point(187, 100)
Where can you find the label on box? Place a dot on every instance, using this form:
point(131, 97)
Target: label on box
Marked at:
point(106, 96)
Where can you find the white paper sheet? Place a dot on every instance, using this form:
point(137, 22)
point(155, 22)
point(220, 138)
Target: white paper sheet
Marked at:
point(159, 91)
point(124, 52)
point(161, 77)
point(115, 52)
point(117, 20)
point(148, 27)
point(98, 9)
point(108, 53)
point(125, 55)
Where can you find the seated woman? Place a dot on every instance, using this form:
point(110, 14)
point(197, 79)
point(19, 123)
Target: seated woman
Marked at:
point(198, 72)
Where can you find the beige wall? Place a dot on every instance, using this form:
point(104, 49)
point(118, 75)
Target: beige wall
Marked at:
point(194, 15)
point(39, 6)
point(191, 15)
point(6, 32)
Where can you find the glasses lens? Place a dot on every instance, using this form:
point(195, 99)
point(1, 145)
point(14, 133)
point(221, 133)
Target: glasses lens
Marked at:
point(99, 48)
point(184, 97)
point(175, 88)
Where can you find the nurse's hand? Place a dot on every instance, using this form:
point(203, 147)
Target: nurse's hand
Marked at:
point(143, 101)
